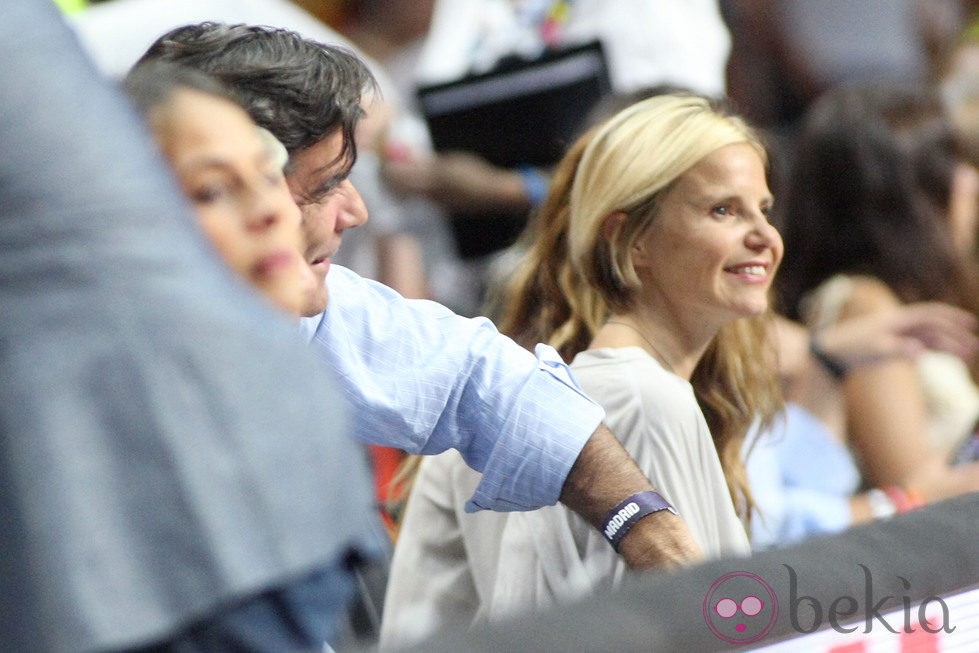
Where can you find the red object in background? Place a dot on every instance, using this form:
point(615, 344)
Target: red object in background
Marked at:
point(385, 461)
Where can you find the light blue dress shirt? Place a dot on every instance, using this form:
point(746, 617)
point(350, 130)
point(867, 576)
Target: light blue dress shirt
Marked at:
point(423, 379)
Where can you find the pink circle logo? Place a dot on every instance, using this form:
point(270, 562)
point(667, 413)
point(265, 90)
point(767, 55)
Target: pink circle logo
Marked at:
point(740, 608)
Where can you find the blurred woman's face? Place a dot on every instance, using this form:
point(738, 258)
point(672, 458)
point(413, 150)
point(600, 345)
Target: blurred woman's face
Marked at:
point(710, 254)
point(232, 174)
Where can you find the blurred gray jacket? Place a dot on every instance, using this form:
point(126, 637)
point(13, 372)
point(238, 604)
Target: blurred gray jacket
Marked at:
point(167, 443)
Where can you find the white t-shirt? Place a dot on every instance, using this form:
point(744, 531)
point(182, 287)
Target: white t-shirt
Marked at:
point(680, 42)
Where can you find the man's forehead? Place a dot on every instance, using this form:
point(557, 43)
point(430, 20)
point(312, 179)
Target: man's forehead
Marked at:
point(312, 177)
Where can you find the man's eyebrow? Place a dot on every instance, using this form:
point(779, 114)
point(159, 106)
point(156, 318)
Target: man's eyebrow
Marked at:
point(343, 160)
point(331, 182)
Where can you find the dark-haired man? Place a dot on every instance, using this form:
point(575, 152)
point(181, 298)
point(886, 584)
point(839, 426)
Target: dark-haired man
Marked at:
point(419, 376)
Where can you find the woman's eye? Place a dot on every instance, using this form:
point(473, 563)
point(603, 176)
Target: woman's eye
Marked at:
point(273, 176)
point(722, 211)
point(208, 194)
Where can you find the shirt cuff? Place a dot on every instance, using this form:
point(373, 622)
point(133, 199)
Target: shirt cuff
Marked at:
point(537, 449)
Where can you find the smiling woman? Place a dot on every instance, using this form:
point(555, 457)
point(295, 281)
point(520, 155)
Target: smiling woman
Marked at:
point(654, 275)
point(650, 265)
point(231, 171)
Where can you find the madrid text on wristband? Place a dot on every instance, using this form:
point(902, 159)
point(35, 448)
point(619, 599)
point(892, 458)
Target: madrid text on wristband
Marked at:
point(625, 515)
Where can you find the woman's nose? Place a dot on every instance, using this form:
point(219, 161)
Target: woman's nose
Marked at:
point(263, 211)
point(763, 234)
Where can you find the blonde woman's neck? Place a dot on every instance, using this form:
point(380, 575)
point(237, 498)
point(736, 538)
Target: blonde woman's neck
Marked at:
point(661, 341)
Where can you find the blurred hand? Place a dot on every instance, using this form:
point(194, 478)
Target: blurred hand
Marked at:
point(459, 181)
point(904, 332)
point(792, 340)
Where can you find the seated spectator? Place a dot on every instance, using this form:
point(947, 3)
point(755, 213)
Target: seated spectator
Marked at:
point(231, 171)
point(795, 501)
point(668, 267)
point(664, 271)
point(868, 222)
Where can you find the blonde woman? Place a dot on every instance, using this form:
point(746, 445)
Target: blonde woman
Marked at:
point(656, 236)
point(649, 265)
point(666, 277)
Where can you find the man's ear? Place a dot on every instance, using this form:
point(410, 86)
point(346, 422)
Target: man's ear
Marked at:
point(613, 225)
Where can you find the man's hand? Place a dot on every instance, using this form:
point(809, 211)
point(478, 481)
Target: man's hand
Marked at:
point(600, 479)
point(661, 540)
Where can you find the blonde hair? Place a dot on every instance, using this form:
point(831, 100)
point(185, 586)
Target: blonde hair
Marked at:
point(572, 277)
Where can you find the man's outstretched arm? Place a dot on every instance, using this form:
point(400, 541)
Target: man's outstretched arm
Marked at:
point(603, 476)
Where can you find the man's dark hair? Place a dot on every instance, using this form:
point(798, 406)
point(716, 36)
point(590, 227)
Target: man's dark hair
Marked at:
point(300, 90)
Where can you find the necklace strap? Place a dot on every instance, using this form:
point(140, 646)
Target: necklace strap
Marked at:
point(659, 355)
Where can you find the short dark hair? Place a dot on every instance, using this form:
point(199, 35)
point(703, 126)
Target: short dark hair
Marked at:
point(300, 90)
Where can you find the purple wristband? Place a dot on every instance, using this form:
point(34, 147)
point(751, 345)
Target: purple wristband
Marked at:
point(625, 515)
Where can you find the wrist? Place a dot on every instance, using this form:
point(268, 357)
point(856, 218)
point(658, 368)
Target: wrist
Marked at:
point(535, 184)
point(628, 513)
point(661, 540)
point(831, 364)
point(881, 505)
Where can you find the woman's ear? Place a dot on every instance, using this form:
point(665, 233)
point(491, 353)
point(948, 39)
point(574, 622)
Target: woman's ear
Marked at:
point(613, 225)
